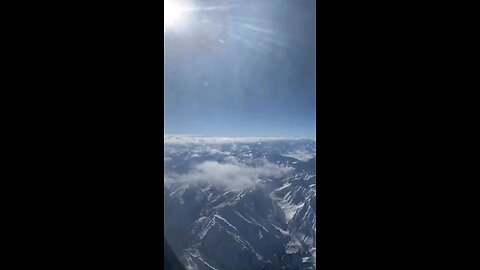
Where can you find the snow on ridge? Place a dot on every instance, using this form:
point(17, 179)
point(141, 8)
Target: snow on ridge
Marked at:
point(284, 232)
point(283, 187)
point(290, 209)
point(208, 265)
point(224, 220)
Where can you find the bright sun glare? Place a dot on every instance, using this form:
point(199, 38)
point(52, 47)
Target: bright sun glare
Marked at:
point(174, 14)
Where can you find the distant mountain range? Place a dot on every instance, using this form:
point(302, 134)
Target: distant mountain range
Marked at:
point(241, 204)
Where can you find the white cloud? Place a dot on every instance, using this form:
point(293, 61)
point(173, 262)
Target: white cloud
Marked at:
point(231, 174)
point(184, 139)
point(300, 155)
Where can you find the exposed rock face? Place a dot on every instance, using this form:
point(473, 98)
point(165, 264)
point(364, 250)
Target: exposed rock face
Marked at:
point(241, 205)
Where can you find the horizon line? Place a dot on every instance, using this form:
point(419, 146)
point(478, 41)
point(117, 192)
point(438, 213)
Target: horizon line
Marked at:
point(198, 136)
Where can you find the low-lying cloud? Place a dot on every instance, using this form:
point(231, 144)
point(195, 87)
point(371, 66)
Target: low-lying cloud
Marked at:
point(230, 174)
point(300, 155)
point(183, 139)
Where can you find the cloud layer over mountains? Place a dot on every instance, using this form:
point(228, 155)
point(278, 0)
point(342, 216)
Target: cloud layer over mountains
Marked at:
point(230, 163)
point(185, 139)
point(230, 174)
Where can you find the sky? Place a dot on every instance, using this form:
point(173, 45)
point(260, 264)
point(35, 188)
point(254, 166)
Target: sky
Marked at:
point(240, 68)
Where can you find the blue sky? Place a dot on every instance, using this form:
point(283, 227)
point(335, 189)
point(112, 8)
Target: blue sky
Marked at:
point(241, 68)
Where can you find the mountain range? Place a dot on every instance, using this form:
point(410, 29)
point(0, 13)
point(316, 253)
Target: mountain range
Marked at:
point(241, 203)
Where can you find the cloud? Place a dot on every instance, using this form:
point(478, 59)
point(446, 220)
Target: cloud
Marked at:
point(184, 139)
point(230, 174)
point(300, 155)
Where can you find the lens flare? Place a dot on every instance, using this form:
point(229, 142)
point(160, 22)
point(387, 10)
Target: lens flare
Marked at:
point(174, 14)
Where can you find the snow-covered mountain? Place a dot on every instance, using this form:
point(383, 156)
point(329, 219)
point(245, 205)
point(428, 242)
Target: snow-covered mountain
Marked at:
point(241, 203)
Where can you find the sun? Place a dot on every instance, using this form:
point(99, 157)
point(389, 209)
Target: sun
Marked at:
point(174, 14)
